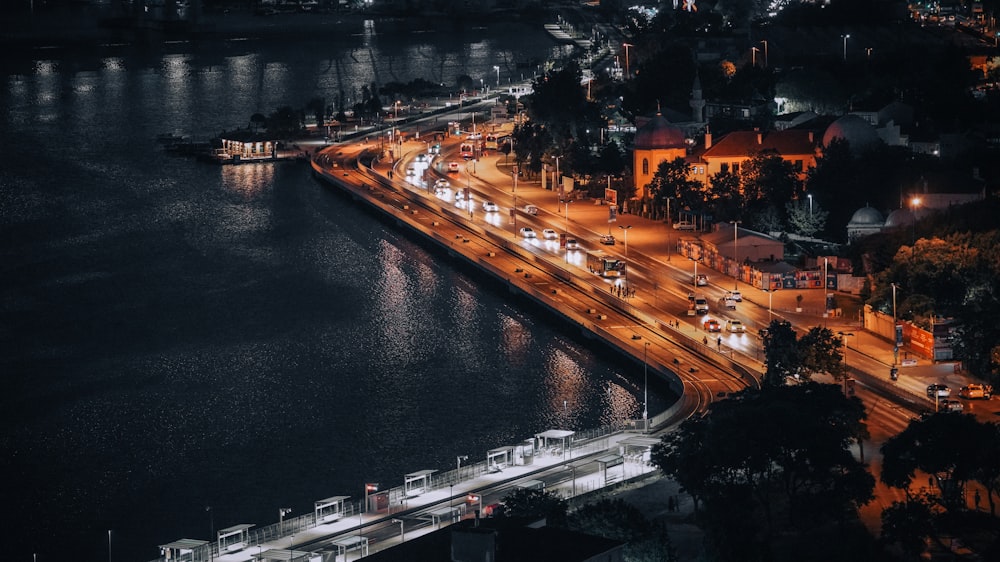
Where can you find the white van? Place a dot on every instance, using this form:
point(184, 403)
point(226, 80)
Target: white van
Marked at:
point(684, 225)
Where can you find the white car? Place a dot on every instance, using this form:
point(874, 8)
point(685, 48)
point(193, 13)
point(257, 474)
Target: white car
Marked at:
point(735, 326)
point(549, 234)
point(490, 207)
point(421, 159)
point(572, 244)
point(735, 295)
point(441, 183)
point(527, 232)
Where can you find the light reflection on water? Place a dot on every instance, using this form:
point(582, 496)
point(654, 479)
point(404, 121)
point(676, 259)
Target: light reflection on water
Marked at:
point(238, 336)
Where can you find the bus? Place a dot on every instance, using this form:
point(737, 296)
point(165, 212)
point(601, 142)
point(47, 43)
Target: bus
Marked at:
point(467, 150)
point(491, 142)
point(600, 263)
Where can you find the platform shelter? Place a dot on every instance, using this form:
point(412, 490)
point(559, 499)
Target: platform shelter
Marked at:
point(499, 458)
point(329, 509)
point(637, 448)
point(555, 441)
point(608, 462)
point(232, 539)
point(181, 550)
point(352, 542)
point(274, 554)
point(416, 483)
point(449, 514)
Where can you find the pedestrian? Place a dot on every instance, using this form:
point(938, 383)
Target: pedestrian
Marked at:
point(719, 342)
point(704, 340)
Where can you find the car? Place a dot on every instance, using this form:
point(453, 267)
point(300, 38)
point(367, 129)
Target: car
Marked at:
point(975, 390)
point(421, 159)
point(701, 305)
point(410, 171)
point(951, 406)
point(683, 225)
point(701, 280)
point(735, 327)
point(572, 244)
point(938, 390)
point(527, 232)
point(531, 209)
point(490, 207)
point(549, 234)
point(735, 295)
point(726, 302)
point(441, 183)
point(607, 240)
point(453, 167)
point(712, 325)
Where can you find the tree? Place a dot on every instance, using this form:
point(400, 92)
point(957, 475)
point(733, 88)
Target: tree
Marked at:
point(757, 456)
point(617, 520)
point(768, 179)
point(533, 504)
point(724, 196)
point(672, 180)
point(781, 353)
point(284, 121)
point(945, 445)
point(820, 350)
point(804, 219)
point(908, 523)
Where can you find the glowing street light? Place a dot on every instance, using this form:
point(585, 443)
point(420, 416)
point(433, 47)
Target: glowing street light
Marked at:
point(645, 385)
point(626, 228)
point(626, 45)
point(497, 68)
point(845, 37)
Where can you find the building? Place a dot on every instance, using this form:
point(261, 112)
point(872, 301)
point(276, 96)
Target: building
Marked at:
point(727, 155)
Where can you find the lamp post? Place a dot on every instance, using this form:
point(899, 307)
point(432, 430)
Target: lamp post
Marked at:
point(211, 530)
point(843, 339)
point(694, 280)
point(826, 297)
point(670, 224)
point(402, 536)
point(645, 386)
point(914, 203)
point(558, 177)
point(109, 545)
point(764, 41)
point(810, 196)
point(282, 512)
point(753, 56)
point(497, 68)
point(626, 45)
point(895, 342)
point(626, 228)
point(566, 206)
point(736, 260)
point(845, 37)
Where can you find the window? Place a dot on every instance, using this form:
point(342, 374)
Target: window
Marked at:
point(736, 167)
point(724, 167)
point(645, 166)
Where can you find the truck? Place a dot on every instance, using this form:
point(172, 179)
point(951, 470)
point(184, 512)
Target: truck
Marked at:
point(605, 265)
point(975, 390)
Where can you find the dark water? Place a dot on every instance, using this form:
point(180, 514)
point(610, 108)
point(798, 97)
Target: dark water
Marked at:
point(176, 335)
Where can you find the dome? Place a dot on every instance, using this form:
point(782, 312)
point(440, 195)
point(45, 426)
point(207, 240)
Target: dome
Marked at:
point(866, 216)
point(855, 130)
point(899, 217)
point(658, 133)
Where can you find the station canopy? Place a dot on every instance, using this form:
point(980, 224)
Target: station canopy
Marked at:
point(330, 508)
point(416, 483)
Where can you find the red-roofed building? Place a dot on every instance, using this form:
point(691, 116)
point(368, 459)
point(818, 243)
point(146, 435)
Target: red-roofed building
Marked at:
point(795, 146)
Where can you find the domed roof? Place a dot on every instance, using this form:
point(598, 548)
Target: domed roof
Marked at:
point(658, 133)
point(855, 130)
point(899, 217)
point(866, 216)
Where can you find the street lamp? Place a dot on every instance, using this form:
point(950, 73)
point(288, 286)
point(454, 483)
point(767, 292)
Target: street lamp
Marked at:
point(845, 38)
point(282, 512)
point(497, 68)
point(626, 228)
point(736, 260)
point(810, 196)
point(109, 545)
point(211, 530)
point(558, 177)
point(645, 386)
point(914, 203)
point(843, 339)
point(764, 41)
point(895, 341)
point(402, 536)
point(566, 206)
point(626, 45)
point(753, 56)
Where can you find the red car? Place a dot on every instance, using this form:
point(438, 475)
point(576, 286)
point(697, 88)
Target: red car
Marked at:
point(712, 325)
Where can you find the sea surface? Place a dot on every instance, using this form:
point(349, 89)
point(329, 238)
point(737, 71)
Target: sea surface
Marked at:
point(177, 335)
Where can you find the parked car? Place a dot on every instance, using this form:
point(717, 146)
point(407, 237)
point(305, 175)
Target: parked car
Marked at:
point(607, 240)
point(975, 390)
point(549, 234)
point(527, 232)
point(712, 325)
point(939, 390)
point(572, 244)
point(735, 326)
